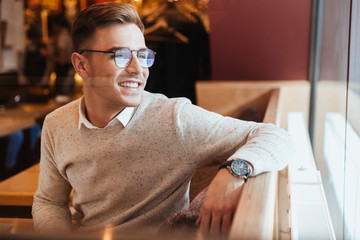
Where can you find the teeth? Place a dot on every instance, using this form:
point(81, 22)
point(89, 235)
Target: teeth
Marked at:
point(129, 84)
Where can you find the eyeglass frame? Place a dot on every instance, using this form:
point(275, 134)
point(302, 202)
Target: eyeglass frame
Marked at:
point(114, 51)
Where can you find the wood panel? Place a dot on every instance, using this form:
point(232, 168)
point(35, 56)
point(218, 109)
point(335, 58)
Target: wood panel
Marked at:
point(294, 95)
point(19, 189)
point(12, 124)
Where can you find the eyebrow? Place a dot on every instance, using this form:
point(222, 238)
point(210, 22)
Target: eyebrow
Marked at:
point(113, 49)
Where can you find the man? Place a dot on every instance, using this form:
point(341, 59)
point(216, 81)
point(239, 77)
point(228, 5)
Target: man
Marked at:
point(129, 155)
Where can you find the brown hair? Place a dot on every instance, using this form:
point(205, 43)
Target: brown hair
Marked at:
point(101, 15)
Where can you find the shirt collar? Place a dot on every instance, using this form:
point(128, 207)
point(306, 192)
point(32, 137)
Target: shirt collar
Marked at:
point(123, 117)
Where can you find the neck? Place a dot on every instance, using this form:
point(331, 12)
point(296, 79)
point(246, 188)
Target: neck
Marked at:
point(98, 114)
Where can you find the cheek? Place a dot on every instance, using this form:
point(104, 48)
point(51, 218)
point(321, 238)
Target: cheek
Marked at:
point(146, 73)
point(104, 79)
point(106, 71)
point(103, 67)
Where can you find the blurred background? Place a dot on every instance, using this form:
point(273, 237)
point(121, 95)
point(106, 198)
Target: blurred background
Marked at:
point(315, 42)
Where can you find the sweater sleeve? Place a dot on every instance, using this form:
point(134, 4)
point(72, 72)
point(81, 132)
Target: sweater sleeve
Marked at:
point(50, 209)
point(207, 136)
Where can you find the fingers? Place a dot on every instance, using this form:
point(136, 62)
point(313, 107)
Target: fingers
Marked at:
point(216, 219)
point(216, 223)
point(215, 228)
point(226, 223)
point(198, 221)
point(219, 205)
point(205, 223)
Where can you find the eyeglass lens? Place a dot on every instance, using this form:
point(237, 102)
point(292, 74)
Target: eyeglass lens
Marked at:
point(123, 57)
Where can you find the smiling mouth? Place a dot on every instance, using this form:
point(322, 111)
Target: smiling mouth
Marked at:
point(129, 84)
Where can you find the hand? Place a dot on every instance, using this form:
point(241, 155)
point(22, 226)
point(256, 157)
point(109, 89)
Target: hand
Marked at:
point(220, 203)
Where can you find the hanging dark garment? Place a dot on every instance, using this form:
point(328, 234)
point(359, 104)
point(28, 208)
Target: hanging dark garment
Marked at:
point(182, 54)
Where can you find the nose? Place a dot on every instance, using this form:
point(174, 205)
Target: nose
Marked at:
point(134, 66)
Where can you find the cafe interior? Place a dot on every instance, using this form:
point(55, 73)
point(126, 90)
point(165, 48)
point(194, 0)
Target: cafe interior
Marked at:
point(294, 64)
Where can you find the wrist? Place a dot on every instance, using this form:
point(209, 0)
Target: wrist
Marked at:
point(238, 168)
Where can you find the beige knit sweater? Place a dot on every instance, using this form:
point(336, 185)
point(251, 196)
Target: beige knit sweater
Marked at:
point(138, 176)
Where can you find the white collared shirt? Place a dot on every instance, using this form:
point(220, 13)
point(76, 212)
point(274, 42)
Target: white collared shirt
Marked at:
point(123, 117)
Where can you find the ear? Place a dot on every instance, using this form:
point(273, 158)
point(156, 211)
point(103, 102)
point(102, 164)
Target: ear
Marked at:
point(80, 64)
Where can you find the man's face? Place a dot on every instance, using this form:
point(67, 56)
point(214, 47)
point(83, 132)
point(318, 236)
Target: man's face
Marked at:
point(108, 84)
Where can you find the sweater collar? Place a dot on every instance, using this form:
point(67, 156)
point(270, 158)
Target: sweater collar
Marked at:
point(123, 117)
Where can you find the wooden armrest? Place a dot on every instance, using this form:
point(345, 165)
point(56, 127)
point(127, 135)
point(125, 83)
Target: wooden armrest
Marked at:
point(255, 215)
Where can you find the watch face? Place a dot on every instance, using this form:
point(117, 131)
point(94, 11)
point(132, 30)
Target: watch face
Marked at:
point(240, 168)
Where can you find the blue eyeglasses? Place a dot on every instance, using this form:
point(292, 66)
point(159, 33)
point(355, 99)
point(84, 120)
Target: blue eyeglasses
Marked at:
point(123, 56)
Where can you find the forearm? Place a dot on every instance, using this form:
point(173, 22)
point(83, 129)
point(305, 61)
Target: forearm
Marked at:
point(208, 136)
point(50, 218)
point(267, 148)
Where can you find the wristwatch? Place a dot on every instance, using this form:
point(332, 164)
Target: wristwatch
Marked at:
point(239, 168)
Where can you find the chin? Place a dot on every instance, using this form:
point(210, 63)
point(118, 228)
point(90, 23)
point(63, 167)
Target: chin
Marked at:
point(133, 105)
point(132, 102)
